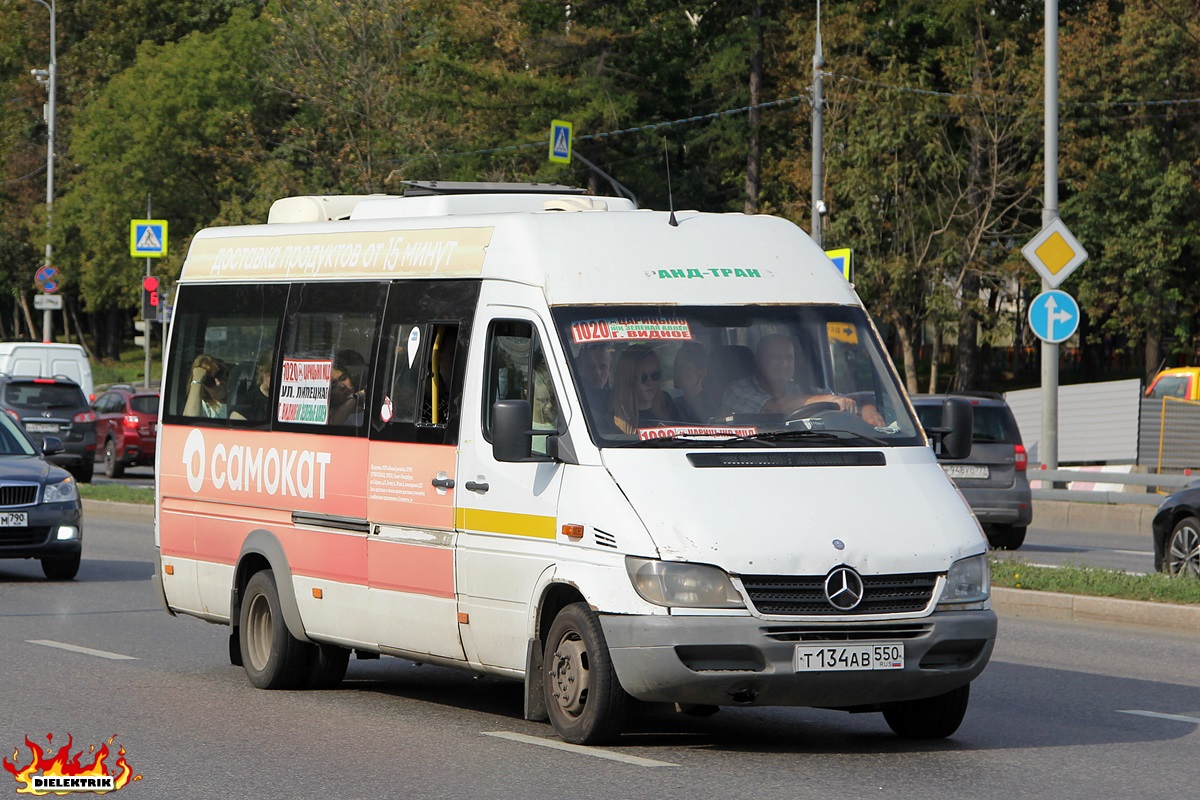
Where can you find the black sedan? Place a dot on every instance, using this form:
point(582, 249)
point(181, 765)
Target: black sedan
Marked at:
point(1176, 530)
point(41, 515)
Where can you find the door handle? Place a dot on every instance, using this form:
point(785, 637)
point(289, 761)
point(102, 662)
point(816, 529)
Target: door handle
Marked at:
point(473, 486)
point(444, 483)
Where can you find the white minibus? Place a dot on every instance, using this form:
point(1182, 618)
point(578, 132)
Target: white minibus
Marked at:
point(612, 453)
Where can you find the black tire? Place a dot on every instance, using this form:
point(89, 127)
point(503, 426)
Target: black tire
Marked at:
point(1181, 556)
point(114, 467)
point(84, 472)
point(328, 667)
point(271, 656)
point(61, 568)
point(1006, 537)
point(930, 718)
point(584, 699)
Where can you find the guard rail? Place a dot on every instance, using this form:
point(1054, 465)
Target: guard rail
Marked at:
point(1154, 485)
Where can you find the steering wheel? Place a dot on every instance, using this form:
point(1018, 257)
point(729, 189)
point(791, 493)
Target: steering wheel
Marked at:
point(808, 409)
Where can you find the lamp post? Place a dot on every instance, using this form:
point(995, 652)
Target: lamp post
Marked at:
point(47, 77)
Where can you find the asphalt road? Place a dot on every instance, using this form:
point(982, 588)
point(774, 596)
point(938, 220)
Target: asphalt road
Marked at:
point(1131, 551)
point(1063, 711)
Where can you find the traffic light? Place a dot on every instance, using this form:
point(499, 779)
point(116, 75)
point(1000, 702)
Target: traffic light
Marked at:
point(150, 297)
point(140, 326)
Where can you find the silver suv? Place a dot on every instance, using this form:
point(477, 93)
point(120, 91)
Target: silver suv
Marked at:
point(993, 478)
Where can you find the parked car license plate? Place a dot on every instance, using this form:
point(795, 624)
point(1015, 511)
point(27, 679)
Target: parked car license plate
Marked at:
point(41, 427)
point(972, 471)
point(880, 655)
point(14, 519)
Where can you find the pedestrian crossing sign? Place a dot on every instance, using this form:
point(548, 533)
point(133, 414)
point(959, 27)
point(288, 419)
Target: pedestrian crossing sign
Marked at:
point(560, 141)
point(147, 238)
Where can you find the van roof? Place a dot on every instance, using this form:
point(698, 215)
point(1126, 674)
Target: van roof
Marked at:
point(579, 249)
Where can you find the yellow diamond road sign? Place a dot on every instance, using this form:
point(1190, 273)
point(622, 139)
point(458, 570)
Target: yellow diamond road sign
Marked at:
point(1054, 253)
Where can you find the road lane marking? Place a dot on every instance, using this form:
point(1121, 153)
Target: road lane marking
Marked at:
point(579, 749)
point(1157, 715)
point(87, 651)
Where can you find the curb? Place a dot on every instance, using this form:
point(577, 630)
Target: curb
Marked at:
point(1080, 608)
point(135, 512)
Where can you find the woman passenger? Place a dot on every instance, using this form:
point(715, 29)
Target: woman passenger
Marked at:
point(209, 389)
point(638, 400)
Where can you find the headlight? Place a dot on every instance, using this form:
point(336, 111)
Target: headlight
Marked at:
point(61, 492)
point(968, 581)
point(674, 583)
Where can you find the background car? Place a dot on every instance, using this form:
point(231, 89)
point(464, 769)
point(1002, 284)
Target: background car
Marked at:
point(54, 407)
point(40, 512)
point(1176, 532)
point(993, 478)
point(126, 423)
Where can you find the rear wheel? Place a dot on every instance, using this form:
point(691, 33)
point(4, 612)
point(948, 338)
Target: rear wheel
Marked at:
point(271, 656)
point(1006, 537)
point(61, 568)
point(929, 718)
point(1182, 556)
point(83, 473)
point(328, 667)
point(113, 466)
point(584, 699)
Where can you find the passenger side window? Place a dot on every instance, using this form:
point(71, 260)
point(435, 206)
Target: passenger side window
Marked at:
point(218, 334)
point(517, 369)
point(324, 364)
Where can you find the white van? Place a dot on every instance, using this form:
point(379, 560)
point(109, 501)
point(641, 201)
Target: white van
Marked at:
point(608, 452)
point(48, 360)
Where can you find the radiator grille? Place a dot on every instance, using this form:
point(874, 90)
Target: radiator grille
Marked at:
point(804, 595)
point(18, 494)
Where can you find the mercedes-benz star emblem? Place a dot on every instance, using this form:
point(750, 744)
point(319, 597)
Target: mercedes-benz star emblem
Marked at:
point(844, 589)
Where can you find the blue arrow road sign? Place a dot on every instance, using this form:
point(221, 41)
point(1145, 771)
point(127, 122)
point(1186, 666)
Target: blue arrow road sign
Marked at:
point(1054, 316)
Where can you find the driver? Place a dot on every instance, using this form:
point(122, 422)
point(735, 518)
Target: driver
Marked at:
point(772, 389)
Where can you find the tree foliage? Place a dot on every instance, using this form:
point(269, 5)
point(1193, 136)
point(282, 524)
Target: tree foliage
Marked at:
point(932, 163)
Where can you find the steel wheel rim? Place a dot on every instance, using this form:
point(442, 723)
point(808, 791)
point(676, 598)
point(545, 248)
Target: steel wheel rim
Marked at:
point(258, 632)
point(569, 674)
point(1183, 556)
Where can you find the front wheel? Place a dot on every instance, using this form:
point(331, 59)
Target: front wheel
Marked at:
point(61, 568)
point(929, 718)
point(585, 701)
point(1182, 556)
point(271, 656)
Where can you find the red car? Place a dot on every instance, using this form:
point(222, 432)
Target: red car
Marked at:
point(126, 425)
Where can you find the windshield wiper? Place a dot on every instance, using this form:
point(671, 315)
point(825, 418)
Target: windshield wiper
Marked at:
point(836, 435)
point(679, 438)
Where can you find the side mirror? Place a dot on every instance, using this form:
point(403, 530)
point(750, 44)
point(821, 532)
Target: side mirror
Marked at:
point(511, 424)
point(52, 445)
point(958, 425)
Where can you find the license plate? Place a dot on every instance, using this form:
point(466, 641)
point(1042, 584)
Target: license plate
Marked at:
point(970, 471)
point(41, 427)
point(844, 658)
point(14, 519)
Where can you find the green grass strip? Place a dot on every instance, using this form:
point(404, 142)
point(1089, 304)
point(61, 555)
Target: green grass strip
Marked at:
point(1096, 582)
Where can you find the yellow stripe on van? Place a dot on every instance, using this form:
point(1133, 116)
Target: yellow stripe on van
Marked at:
point(531, 525)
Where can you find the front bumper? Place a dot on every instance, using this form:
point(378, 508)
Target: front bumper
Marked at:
point(38, 539)
point(749, 661)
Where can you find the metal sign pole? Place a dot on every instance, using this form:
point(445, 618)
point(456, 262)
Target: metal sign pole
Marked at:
point(1048, 447)
point(149, 323)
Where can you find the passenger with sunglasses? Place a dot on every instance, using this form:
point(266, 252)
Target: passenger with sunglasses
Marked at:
point(209, 389)
point(638, 400)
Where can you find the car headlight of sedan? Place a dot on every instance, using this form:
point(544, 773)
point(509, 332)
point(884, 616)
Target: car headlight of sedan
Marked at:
point(968, 581)
point(61, 492)
point(682, 585)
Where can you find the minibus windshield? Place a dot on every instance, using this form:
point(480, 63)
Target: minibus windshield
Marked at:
point(767, 375)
